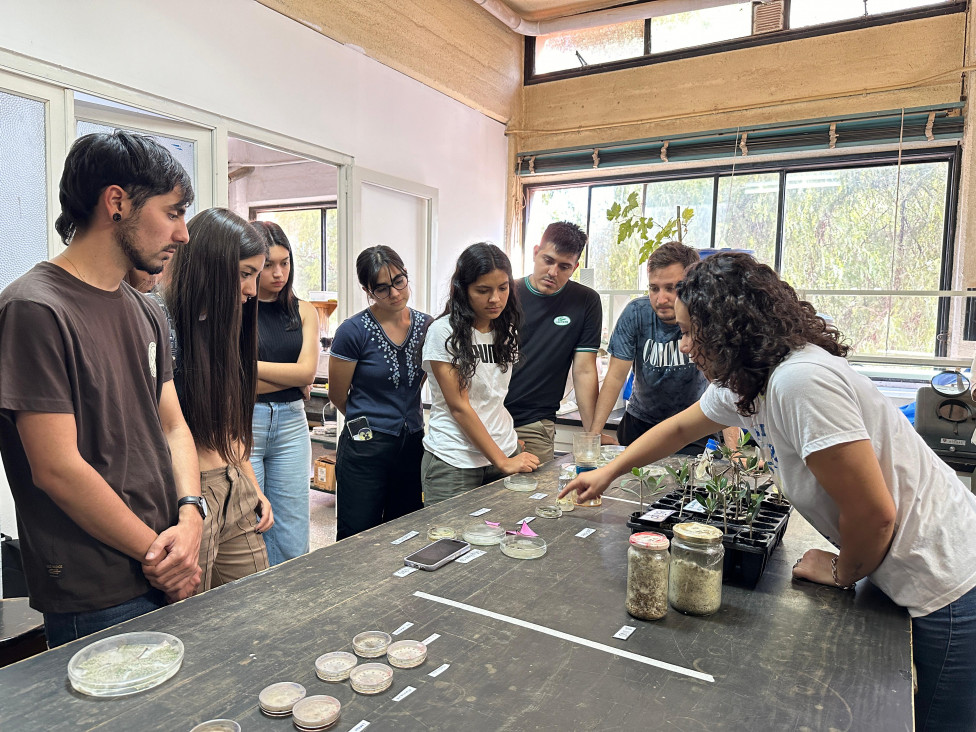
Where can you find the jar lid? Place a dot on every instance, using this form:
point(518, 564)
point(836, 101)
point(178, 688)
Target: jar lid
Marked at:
point(698, 533)
point(371, 643)
point(650, 540)
point(316, 712)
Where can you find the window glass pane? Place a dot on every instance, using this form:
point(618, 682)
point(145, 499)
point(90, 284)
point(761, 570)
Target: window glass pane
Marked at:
point(615, 265)
point(546, 206)
point(700, 27)
point(746, 219)
point(663, 199)
point(889, 6)
point(23, 186)
point(814, 12)
point(304, 232)
point(557, 51)
point(331, 250)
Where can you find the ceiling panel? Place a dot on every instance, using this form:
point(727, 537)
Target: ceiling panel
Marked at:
point(544, 9)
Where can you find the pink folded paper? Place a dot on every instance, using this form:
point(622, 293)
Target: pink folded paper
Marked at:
point(526, 531)
point(496, 524)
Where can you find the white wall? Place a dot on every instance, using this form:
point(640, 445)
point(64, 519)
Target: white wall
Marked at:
point(240, 60)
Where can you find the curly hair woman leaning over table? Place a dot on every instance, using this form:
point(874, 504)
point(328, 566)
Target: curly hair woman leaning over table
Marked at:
point(850, 463)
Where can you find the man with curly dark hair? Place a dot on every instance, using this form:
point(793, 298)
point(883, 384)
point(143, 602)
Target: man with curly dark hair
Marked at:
point(846, 458)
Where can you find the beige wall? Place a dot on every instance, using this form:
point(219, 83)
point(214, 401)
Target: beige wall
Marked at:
point(453, 46)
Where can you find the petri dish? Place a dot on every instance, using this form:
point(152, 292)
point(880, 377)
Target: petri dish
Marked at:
point(125, 664)
point(482, 534)
point(406, 653)
point(521, 482)
point(523, 547)
point(277, 700)
point(548, 512)
point(371, 678)
point(316, 712)
point(371, 644)
point(217, 725)
point(441, 532)
point(335, 666)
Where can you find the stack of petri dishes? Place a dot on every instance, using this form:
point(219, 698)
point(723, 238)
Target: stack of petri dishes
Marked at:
point(482, 534)
point(371, 678)
point(406, 653)
point(523, 547)
point(315, 713)
point(125, 664)
point(279, 699)
point(371, 643)
point(335, 666)
point(521, 482)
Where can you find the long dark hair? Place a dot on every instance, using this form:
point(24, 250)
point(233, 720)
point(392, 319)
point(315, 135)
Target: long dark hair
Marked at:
point(274, 236)
point(476, 261)
point(746, 320)
point(217, 336)
point(373, 260)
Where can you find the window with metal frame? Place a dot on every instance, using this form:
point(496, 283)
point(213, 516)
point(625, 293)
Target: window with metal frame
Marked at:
point(311, 231)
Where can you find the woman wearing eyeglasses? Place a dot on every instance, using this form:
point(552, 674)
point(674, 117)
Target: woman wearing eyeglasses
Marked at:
point(375, 378)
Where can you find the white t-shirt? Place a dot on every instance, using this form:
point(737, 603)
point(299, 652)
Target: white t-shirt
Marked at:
point(489, 385)
point(814, 401)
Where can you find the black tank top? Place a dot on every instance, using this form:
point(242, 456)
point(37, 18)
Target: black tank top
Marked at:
point(278, 345)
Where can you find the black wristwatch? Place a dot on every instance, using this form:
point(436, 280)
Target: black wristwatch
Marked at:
point(195, 501)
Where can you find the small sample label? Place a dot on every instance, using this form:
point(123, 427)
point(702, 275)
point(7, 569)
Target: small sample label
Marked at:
point(479, 512)
point(585, 532)
point(695, 506)
point(527, 520)
point(360, 727)
point(430, 638)
point(404, 626)
point(404, 694)
point(657, 514)
point(473, 554)
point(404, 571)
point(538, 496)
point(406, 537)
point(439, 670)
point(625, 632)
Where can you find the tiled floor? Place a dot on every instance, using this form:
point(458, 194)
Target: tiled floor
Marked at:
point(322, 509)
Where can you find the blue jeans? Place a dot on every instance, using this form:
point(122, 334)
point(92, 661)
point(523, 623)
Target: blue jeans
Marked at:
point(61, 628)
point(282, 460)
point(944, 651)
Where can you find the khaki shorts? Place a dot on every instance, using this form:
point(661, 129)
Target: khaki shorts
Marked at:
point(539, 438)
point(441, 480)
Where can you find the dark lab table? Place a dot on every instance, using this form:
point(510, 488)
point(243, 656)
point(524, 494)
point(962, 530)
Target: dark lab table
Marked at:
point(781, 656)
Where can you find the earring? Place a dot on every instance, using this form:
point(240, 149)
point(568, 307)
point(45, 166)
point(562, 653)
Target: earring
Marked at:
point(116, 217)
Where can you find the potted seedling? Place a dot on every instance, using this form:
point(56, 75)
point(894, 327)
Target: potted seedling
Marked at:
point(682, 477)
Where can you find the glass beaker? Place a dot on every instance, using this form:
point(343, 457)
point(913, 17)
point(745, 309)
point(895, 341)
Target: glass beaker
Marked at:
point(586, 448)
point(598, 501)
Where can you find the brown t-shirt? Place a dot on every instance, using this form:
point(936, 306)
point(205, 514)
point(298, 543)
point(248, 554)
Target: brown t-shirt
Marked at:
point(69, 348)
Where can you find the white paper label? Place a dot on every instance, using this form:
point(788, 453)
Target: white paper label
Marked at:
point(538, 496)
point(404, 571)
point(439, 670)
point(695, 506)
point(625, 632)
point(360, 727)
point(657, 514)
point(585, 532)
point(406, 537)
point(527, 520)
point(402, 627)
point(404, 694)
point(479, 512)
point(430, 638)
point(473, 554)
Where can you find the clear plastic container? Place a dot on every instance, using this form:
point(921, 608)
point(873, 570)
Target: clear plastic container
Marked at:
point(441, 532)
point(482, 534)
point(371, 678)
point(277, 700)
point(586, 448)
point(406, 653)
point(523, 547)
point(335, 666)
point(318, 712)
point(521, 482)
point(125, 664)
point(371, 644)
point(567, 473)
point(647, 575)
point(695, 581)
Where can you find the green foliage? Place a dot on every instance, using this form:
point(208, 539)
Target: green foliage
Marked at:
point(649, 233)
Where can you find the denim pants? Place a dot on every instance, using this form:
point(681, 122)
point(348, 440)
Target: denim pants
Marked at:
point(61, 628)
point(282, 460)
point(944, 651)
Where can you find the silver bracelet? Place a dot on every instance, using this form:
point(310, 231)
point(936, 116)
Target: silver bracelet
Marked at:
point(833, 572)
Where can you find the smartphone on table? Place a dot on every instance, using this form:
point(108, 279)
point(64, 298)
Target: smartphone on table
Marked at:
point(437, 554)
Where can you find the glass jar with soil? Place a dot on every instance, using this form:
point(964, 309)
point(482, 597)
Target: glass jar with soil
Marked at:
point(695, 580)
point(647, 575)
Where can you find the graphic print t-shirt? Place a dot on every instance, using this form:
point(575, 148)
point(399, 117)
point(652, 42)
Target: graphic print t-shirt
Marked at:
point(489, 385)
point(666, 381)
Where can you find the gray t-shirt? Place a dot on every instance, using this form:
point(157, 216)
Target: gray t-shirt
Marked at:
point(666, 381)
